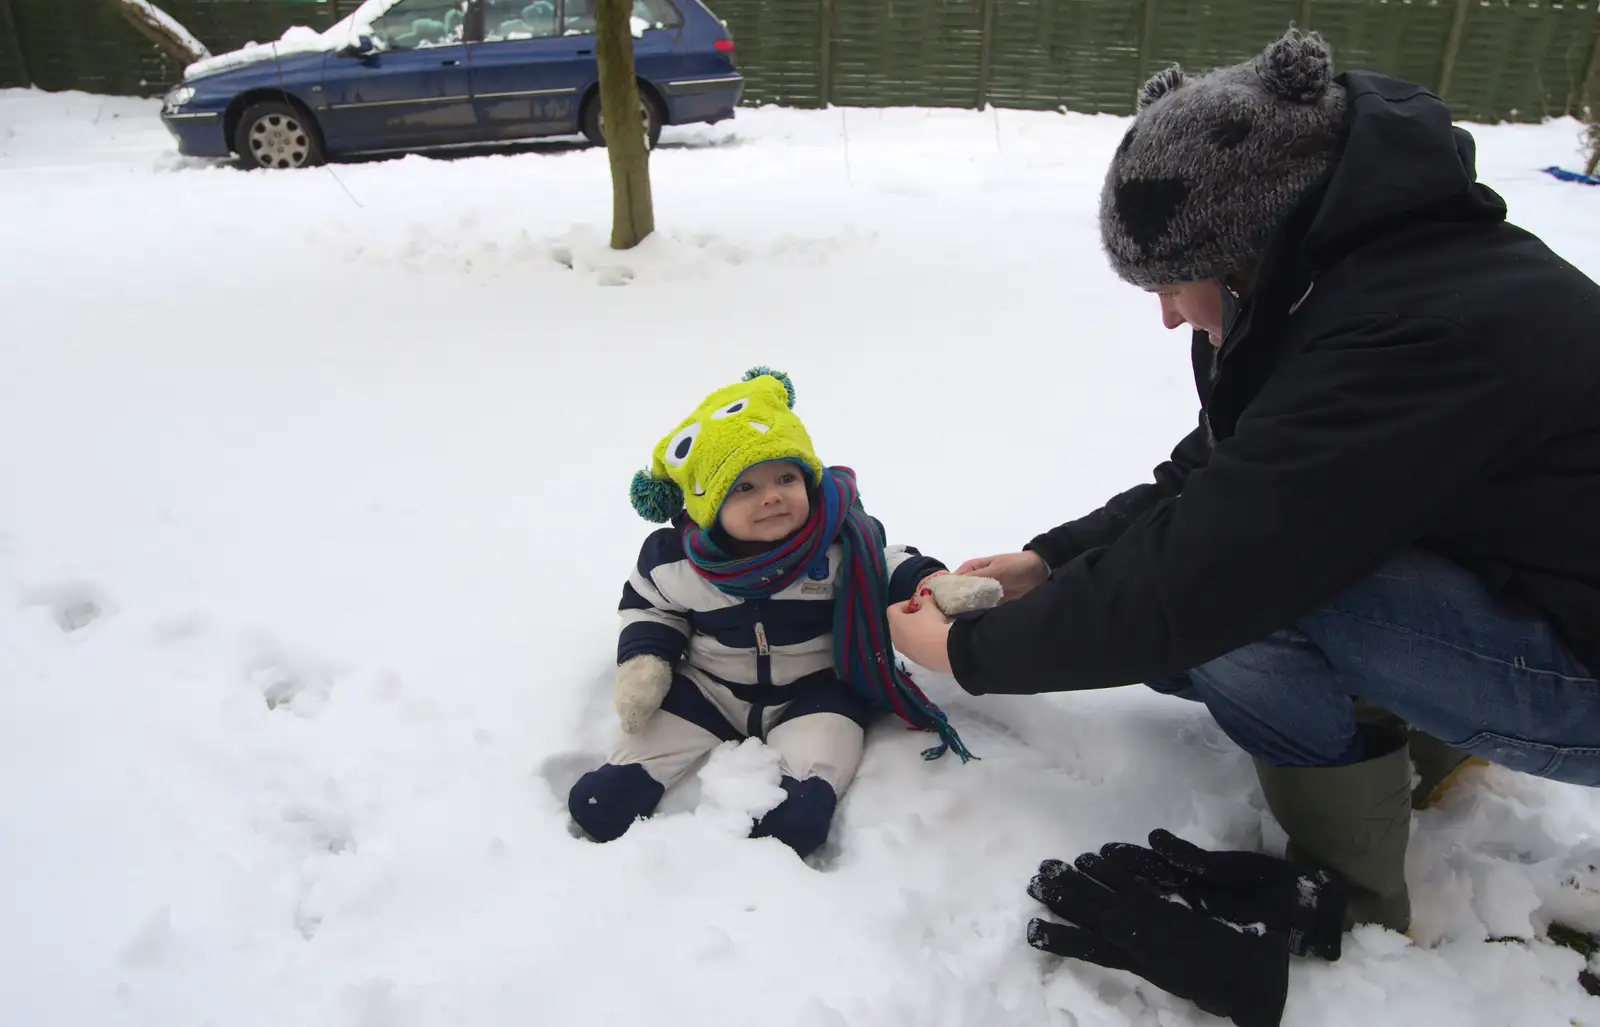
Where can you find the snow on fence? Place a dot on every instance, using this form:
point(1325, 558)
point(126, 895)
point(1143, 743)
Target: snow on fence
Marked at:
point(1493, 60)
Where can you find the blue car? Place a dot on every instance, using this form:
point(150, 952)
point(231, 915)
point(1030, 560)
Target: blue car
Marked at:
point(405, 75)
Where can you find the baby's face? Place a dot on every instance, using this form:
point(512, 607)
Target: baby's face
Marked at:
point(766, 504)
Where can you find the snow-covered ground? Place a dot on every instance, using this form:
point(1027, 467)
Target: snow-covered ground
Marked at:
point(315, 522)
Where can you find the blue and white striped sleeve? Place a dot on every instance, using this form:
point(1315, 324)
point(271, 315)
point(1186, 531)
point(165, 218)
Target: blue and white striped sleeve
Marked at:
point(652, 624)
point(907, 568)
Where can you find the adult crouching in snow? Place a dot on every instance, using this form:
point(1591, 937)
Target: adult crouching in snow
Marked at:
point(1390, 509)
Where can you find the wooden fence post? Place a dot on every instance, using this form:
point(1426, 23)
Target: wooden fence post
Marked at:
point(985, 53)
point(1147, 34)
point(8, 25)
point(825, 53)
point(1452, 47)
point(1582, 104)
point(1304, 24)
point(1587, 107)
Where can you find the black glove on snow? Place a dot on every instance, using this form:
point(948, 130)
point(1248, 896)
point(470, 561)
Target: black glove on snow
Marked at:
point(1244, 888)
point(1125, 924)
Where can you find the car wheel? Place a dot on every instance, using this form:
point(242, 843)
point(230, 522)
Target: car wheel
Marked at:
point(594, 123)
point(277, 135)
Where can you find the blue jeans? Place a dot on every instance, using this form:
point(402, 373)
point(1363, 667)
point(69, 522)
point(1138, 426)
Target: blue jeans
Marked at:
point(1424, 639)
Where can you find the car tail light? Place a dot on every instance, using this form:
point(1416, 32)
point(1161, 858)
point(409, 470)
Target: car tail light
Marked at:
point(724, 45)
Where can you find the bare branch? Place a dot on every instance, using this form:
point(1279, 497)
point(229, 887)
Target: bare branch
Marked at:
point(162, 29)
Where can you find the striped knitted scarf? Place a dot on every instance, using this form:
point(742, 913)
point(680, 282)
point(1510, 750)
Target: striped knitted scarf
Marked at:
point(861, 649)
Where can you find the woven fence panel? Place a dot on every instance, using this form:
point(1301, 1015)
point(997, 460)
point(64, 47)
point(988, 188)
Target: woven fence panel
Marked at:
point(780, 49)
point(228, 24)
point(1201, 36)
point(1521, 62)
point(12, 66)
point(1566, 63)
point(1082, 55)
point(888, 53)
point(1406, 40)
point(1518, 60)
point(1570, 58)
point(86, 44)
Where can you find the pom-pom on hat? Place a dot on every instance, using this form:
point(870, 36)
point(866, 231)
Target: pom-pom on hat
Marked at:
point(734, 428)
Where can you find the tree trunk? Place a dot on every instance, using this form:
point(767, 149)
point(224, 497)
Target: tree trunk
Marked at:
point(632, 213)
point(162, 29)
point(1591, 103)
point(1591, 135)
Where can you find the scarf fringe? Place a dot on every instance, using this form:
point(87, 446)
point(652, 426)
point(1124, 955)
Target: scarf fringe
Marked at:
point(949, 738)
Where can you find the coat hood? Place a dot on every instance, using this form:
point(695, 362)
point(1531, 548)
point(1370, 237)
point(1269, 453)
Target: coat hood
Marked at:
point(1403, 159)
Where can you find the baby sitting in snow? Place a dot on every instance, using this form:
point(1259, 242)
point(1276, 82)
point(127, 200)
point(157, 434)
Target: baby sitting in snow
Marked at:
point(760, 613)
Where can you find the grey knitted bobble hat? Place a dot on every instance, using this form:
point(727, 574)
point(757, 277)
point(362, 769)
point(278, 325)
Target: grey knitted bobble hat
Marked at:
point(1212, 164)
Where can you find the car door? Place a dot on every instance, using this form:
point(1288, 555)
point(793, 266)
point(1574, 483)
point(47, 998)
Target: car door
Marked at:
point(657, 28)
point(528, 72)
point(411, 88)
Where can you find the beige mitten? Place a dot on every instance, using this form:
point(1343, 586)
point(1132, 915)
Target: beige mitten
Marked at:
point(961, 593)
point(641, 688)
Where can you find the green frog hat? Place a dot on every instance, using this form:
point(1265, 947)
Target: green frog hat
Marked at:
point(735, 428)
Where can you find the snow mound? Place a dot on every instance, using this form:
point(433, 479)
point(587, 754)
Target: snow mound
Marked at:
point(491, 252)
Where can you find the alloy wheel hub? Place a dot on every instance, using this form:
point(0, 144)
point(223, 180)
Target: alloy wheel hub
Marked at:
point(279, 141)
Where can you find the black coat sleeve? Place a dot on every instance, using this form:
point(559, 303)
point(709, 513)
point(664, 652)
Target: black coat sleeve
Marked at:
point(1101, 528)
point(1337, 463)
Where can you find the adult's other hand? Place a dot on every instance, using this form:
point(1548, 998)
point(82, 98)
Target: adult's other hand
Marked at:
point(1018, 573)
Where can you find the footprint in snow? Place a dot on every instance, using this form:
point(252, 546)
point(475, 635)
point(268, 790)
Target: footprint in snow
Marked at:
point(298, 684)
point(377, 1003)
point(562, 770)
point(73, 605)
point(326, 828)
point(152, 940)
point(172, 630)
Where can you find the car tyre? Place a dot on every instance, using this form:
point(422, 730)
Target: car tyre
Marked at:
point(594, 126)
point(276, 134)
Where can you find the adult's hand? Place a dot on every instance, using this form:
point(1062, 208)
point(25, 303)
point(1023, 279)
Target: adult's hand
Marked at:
point(1018, 573)
point(921, 633)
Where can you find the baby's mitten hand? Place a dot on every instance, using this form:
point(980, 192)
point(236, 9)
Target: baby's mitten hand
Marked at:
point(641, 687)
point(959, 593)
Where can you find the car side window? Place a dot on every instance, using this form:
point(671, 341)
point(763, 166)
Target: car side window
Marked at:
point(417, 24)
point(518, 19)
point(578, 16)
point(657, 14)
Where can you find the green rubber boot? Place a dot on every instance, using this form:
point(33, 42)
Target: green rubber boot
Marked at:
point(1439, 764)
point(1355, 821)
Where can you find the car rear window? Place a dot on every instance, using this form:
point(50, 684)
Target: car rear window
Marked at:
point(518, 19)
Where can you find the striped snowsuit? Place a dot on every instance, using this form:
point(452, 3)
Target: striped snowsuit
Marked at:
point(759, 668)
